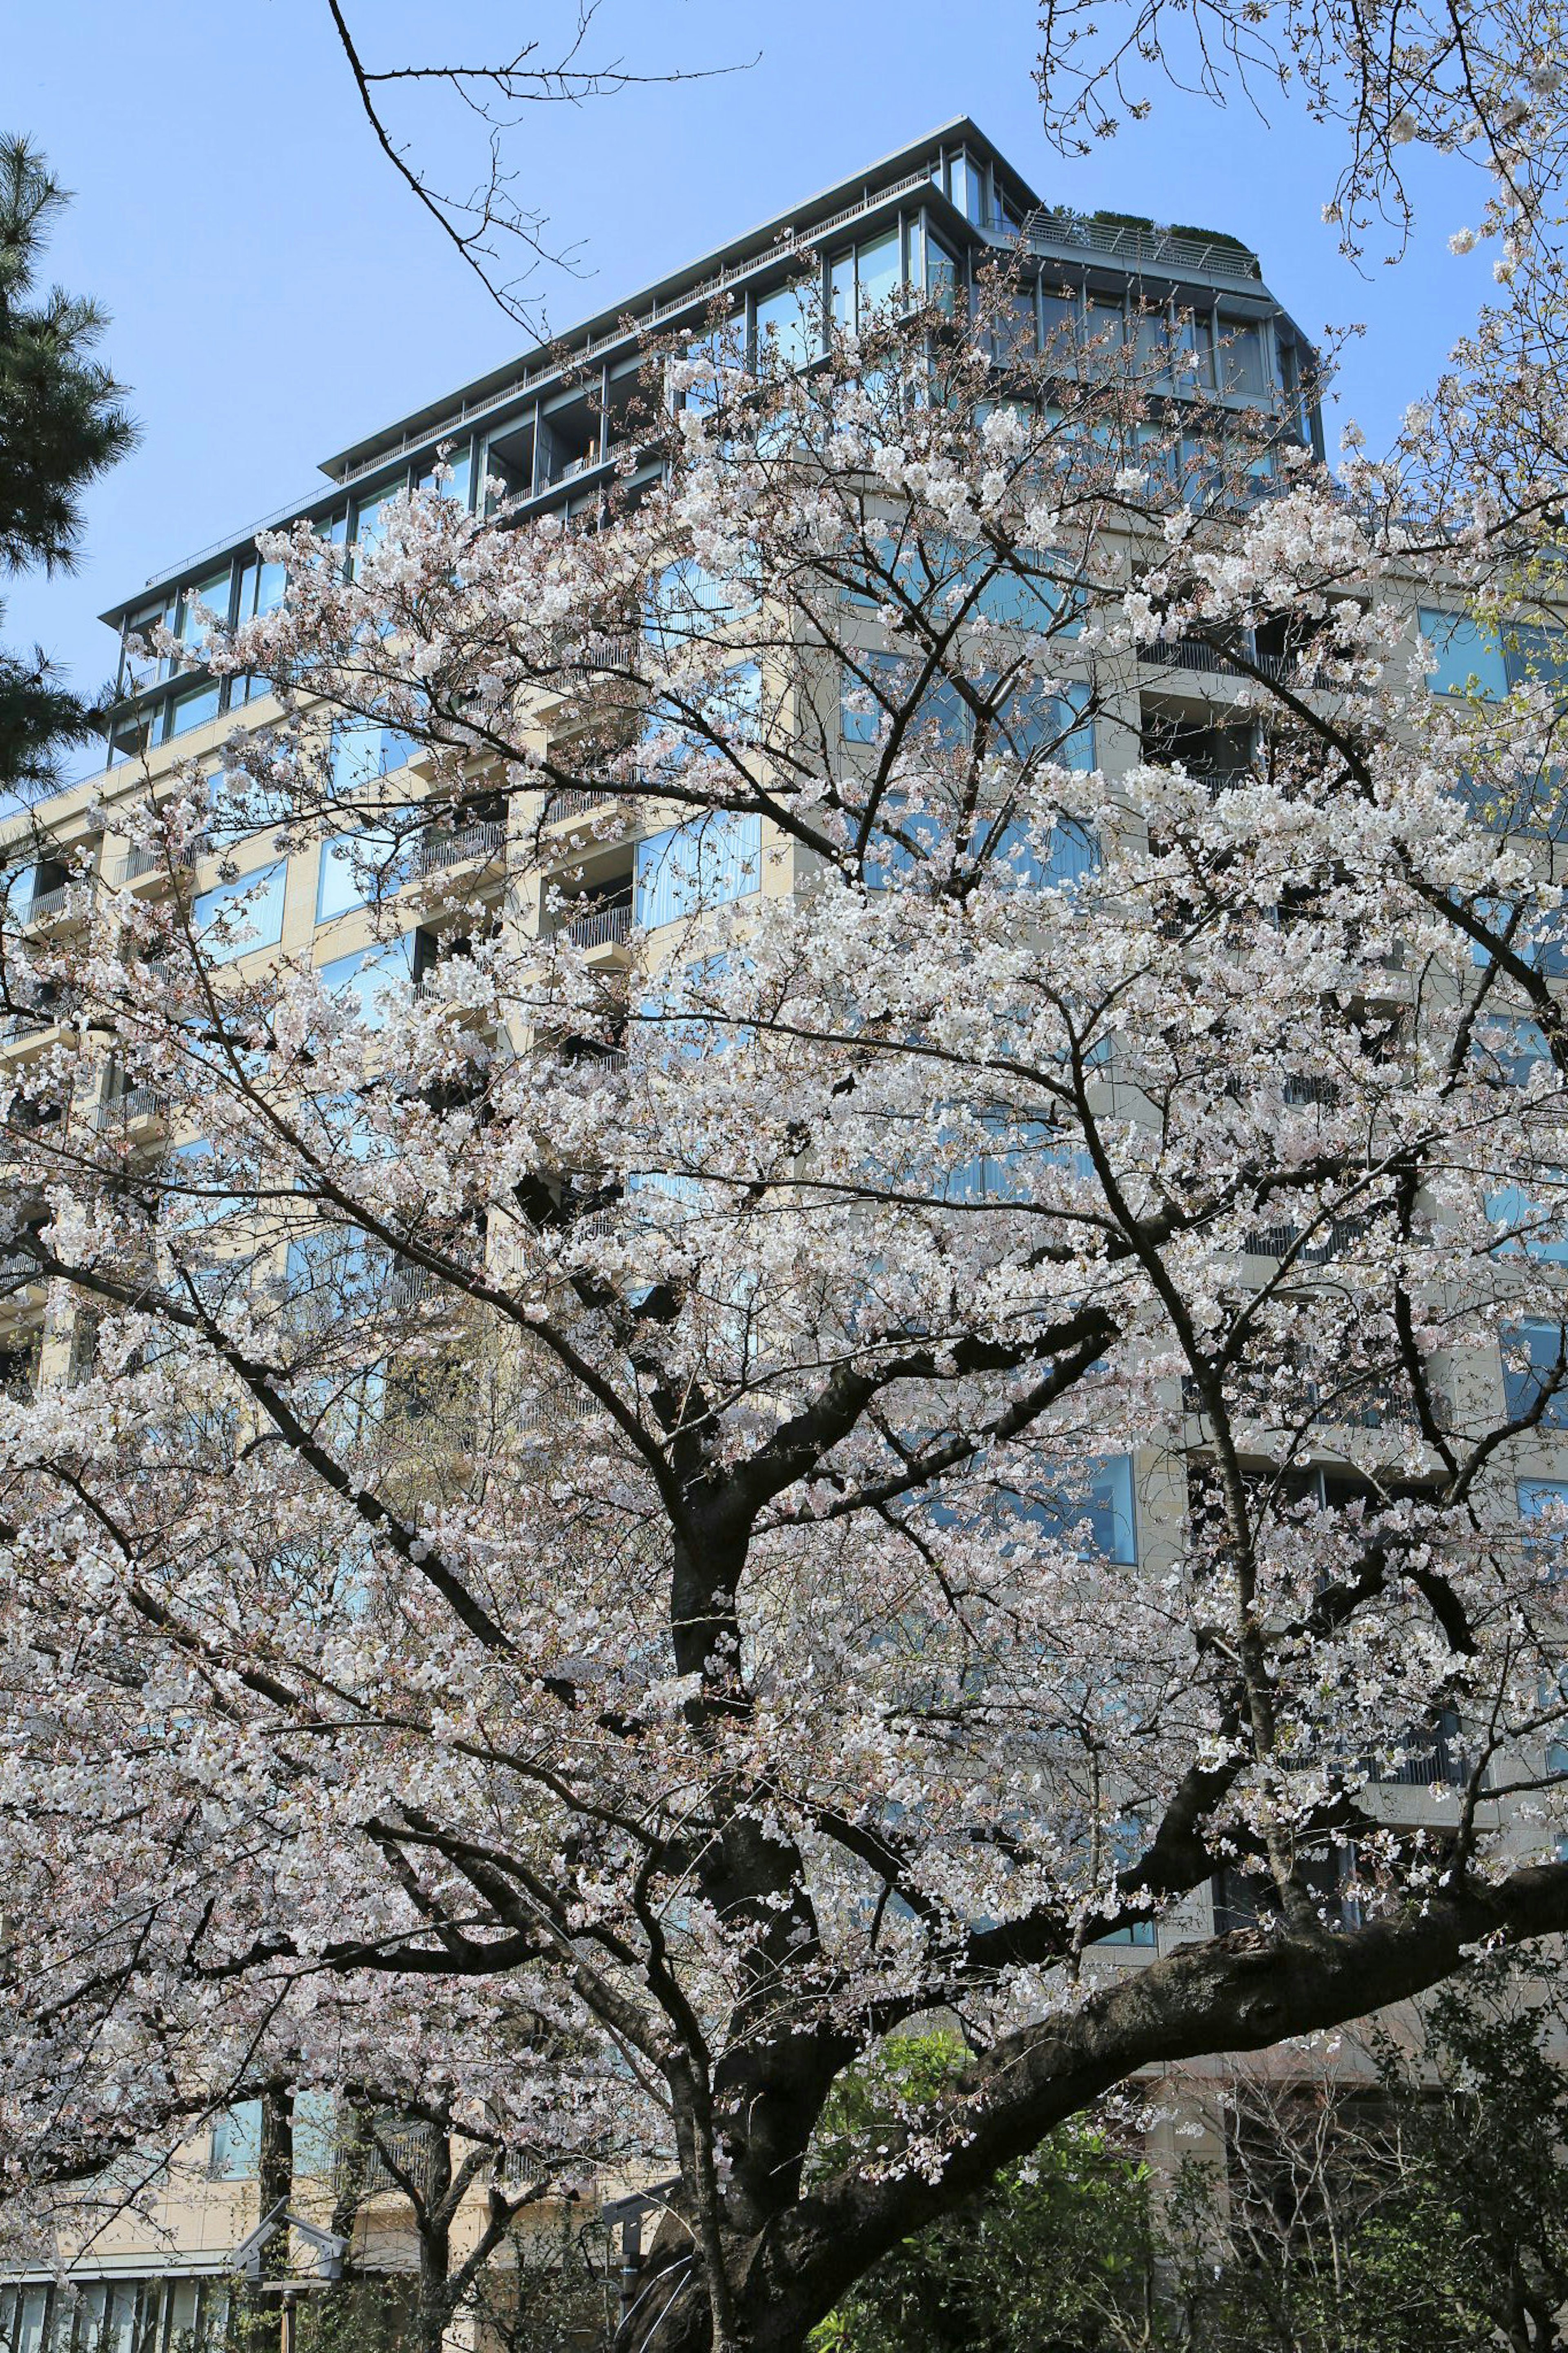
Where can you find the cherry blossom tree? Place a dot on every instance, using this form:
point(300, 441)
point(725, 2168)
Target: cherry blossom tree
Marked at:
point(928, 1325)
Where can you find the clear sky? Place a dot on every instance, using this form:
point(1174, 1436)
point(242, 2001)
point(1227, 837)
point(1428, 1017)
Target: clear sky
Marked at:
point(276, 292)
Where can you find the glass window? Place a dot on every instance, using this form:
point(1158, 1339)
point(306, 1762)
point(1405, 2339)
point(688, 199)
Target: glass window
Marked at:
point(1535, 1223)
point(703, 863)
point(364, 974)
point(200, 1196)
point(1196, 351)
point(356, 869)
point(787, 325)
point(878, 275)
point(1510, 1050)
point(1091, 1506)
point(212, 593)
point(371, 515)
point(1470, 661)
point(1245, 357)
point(237, 918)
point(841, 292)
point(271, 586)
point(236, 2154)
point(459, 461)
point(1534, 655)
point(192, 707)
point(1106, 327)
point(1533, 1354)
point(943, 278)
point(1537, 1499)
point(363, 752)
point(1153, 343)
point(1062, 315)
point(129, 737)
point(968, 185)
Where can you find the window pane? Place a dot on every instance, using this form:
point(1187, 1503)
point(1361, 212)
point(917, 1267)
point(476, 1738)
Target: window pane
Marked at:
point(362, 976)
point(237, 2142)
point(363, 751)
point(1469, 659)
point(1060, 319)
point(1244, 358)
point(236, 918)
point(877, 273)
point(193, 708)
point(703, 863)
point(355, 870)
point(941, 283)
point(1532, 1355)
point(787, 327)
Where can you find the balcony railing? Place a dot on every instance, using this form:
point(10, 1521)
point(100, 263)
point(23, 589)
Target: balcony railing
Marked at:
point(361, 2170)
point(577, 801)
point(154, 858)
point(483, 840)
point(605, 927)
point(1137, 248)
point(122, 1111)
point(47, 906)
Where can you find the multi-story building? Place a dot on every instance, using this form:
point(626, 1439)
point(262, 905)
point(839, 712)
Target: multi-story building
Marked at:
point(548, 435)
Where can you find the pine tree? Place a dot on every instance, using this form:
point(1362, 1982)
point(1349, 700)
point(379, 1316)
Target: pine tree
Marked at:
point(61, 426)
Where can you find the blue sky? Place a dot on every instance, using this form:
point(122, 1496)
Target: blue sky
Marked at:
point(276, 292)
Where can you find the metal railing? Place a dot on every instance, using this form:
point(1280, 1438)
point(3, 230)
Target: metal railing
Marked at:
point(44, 906)
point(154, 858)
point(1192, 653)
point(485, 839)
point(605, 927)
point(360, 2169)
point(1136, 248)
point(577, 800)
point(136, 1103)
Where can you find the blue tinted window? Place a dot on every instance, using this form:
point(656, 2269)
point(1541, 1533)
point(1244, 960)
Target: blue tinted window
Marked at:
point(787, 325)
point(363, 752)
point(703, 863)
point(1531, 1357)
point(354, 868)
point(878, 274)
point(1468, 658)
point(191, 708)
point(1093, 1507)
point(361, 976)
point(236, 918)
point(1535, 1224)
point(236, 2153)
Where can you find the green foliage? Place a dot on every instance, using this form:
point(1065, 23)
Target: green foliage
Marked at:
point(1429, 2215)
point(61, 426)
point(1212, 236)
point(1423, 2211)
point(1055, 2258)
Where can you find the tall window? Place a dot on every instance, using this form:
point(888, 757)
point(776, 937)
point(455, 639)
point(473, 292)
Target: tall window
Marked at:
point(238, 918)
point(364, 976)
point(1534, 1356)
point(706, 862)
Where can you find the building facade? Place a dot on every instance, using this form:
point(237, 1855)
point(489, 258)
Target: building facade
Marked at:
point(549, 436)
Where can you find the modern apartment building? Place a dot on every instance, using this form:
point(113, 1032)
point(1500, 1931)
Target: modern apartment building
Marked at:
point(548, 435)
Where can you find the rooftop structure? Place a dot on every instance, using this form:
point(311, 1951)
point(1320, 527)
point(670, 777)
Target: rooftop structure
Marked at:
point(551, 430)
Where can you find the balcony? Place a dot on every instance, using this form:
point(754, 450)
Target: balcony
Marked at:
point(360, 2169)
point(469, 844)
point(131, 1108)
point(46, 907)
point(155, 858)
point(1136, 248)
point(604, 927)
point(578, 801)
